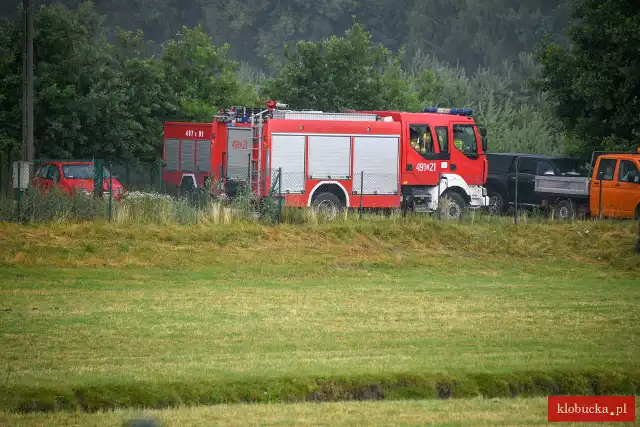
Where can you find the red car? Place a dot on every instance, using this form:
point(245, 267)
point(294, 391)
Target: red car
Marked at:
point(73, 177)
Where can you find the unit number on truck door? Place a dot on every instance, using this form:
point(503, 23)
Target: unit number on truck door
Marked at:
point(239, 145)
point(194, 133)
point(426, 167)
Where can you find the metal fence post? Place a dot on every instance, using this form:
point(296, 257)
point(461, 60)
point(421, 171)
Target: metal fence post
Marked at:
point(279, 195)
point(98, 179)
point(600, 199)
point(159, 176)
point(438, 213)
point(221, 179)
point(361, 191)
point(249, 172)
point(197, 194)
point(515, 218)
point(110, 192)
point(19, 191)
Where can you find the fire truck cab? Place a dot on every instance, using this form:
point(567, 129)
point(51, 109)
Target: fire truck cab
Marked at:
point(442, 155)
point(331, 161)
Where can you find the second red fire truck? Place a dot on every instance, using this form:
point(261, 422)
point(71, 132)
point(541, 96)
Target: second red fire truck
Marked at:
point(331, 161)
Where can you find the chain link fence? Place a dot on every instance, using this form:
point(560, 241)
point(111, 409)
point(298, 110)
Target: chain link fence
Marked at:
point(65, 190)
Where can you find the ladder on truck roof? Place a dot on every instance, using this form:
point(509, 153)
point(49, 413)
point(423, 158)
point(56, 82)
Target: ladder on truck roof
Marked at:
point(247, 115)
point(320, 115)
point(257, 121)
point(255, 154)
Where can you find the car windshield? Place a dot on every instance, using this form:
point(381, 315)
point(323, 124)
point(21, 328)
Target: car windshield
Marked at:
point(570, 167)
point(80, 171)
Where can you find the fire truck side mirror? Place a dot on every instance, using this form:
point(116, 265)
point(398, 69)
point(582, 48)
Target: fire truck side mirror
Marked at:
point(483, 138)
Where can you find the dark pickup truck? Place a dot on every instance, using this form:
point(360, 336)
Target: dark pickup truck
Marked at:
point(501, 180)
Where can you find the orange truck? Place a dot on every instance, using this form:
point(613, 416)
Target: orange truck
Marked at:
point(612, 190)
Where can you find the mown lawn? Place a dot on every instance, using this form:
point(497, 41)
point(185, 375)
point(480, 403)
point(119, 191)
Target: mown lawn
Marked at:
point(462, 412)
point(97, 317)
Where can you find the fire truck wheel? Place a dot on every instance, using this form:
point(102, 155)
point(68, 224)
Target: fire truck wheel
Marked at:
point(451, 206)
point(186, 185)
point(327, 204)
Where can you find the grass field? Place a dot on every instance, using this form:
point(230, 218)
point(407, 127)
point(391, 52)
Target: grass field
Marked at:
point(95, 316)
point(460, 412)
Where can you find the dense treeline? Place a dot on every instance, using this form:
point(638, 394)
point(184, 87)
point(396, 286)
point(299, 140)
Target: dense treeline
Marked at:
point(104, 91)
point(471, 34)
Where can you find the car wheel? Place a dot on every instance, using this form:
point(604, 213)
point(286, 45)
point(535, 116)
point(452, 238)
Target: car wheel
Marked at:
point(496, 204)
point(328, 205)
point(564, 210)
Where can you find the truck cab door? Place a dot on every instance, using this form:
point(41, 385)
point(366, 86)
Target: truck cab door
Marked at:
point(423, 157)
point(605, 172)
point(466, 152)
point(626, 189)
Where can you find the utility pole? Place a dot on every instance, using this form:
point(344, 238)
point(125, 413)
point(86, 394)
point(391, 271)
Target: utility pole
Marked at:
point(25, 51)
point(28, 148)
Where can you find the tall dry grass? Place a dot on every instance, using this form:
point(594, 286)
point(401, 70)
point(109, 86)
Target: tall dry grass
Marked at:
point(201, 208)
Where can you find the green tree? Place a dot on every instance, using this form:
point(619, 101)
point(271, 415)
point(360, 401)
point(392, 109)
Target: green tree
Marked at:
point(10, 87)
point(593, 84)
point(92, 99)
point(95, 99)
point(74, 88)
point(150, 99)
point(339, 73)
point(202, 75)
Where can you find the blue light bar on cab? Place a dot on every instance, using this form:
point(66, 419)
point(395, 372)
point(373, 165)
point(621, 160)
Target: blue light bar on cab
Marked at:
point(457, 111)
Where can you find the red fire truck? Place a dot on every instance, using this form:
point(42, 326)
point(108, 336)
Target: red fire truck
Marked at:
point(188, 154)
point(373, 159)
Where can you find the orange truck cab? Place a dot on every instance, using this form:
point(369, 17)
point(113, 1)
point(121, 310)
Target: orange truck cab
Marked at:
point(616, 186)
point(612, 190)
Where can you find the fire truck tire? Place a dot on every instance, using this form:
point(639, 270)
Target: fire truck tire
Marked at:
point(452, 206)
point(327, 204)
point(186, 185)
